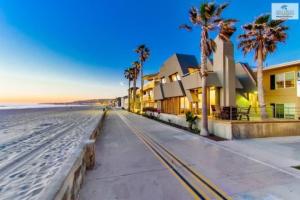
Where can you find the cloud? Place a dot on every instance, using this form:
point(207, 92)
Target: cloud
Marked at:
point(122, 83)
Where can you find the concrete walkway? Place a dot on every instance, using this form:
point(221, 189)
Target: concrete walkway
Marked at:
point(237, 173)
point(126, 169)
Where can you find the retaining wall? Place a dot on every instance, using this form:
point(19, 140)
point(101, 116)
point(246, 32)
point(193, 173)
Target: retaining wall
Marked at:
point(240, 129)
point(66, 185)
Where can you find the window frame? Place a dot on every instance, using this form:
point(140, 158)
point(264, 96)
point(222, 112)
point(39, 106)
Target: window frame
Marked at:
point(284, 80)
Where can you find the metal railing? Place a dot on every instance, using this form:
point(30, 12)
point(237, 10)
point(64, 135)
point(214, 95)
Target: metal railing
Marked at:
point(253, 113)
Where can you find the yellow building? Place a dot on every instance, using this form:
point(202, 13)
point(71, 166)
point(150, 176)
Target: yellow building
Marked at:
point(282, 90)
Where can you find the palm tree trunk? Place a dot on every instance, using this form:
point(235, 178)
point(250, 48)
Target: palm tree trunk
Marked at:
point(204, 119)
point(142, 89)
point(128, 95)
point(260, 88)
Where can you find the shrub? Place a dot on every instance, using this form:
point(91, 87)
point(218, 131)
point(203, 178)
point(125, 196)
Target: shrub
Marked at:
point(191, 119)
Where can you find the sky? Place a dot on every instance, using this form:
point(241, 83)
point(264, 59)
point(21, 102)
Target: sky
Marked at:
point(65, 50)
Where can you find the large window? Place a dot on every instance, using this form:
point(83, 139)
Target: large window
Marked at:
point(286, 111)
point(163, 80)
point(184, 104)
point(285, 80)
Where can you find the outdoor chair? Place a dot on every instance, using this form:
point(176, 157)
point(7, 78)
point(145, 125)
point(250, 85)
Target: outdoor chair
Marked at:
point(244, 112)
point(229, 113)
point(216, 111)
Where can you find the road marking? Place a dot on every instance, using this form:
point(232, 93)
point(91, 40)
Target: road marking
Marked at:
point(198, 185)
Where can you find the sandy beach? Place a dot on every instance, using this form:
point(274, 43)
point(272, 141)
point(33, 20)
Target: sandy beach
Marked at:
point(36, 143)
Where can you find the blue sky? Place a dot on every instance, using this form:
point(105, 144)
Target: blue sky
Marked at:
point(60, 50)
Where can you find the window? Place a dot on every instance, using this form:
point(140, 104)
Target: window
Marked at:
point(289, 111)
point(174, 77)
point(286, 110)
point(285, 80)
point(289, 79)
point(280, 81)
point(163, 80)
point(272, 82)
point(184, 104)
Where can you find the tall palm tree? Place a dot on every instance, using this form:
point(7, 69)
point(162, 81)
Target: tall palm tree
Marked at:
point(262, 37)
point(208, 19)
point(128, 73)
point(136, 66)
point(144, 53)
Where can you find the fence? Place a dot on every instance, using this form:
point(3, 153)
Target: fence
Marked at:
point(253, 113)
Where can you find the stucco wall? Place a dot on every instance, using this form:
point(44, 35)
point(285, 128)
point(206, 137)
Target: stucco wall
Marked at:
point(241, 129)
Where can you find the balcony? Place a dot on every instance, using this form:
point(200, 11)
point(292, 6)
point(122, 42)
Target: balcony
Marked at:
point(149, 86)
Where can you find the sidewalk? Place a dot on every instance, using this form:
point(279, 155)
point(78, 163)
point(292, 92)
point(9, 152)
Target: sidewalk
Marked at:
point(239, 175)
point(126, 169)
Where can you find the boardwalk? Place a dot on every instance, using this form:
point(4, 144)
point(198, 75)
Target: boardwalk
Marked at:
point(138, 158)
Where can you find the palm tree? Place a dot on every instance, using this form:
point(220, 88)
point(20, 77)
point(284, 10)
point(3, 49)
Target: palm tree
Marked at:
point(144, 53)
point(262, 37)
point(208, 19)
point(136, 70)
point(128, 73)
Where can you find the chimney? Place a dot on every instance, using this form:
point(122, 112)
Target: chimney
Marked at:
point(224, 66)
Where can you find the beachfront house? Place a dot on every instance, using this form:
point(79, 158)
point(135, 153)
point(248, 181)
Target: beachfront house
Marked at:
point(282, 90)
point(229, 84)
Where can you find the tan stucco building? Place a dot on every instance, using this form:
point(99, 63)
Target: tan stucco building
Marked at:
point(178, 84)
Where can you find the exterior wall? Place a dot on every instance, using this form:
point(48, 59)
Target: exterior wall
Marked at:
point(124, 102)
point(171, 105)
point(281, 95)
point(224, 66)
point(172, 89)
point(148, 96)
point(158, 92)
point(240, 129)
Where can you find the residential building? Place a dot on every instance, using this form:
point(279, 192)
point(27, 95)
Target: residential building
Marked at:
point(282, 90)
point(124, 102)
point(179, 88)
point(148, 90)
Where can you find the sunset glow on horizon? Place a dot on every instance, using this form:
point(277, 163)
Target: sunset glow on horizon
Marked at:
point(62, 51)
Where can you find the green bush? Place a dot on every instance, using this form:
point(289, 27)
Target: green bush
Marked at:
point(191, 119)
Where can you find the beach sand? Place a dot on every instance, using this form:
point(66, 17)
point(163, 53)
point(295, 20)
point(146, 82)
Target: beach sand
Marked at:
point(36, 143)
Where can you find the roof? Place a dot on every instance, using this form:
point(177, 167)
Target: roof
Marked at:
point(186, 61)
point(281, 65)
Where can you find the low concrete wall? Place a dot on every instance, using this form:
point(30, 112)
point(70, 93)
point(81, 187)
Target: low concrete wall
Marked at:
point(219, 128)
point(66, 185)
point(240, 129)
point(259, 129)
